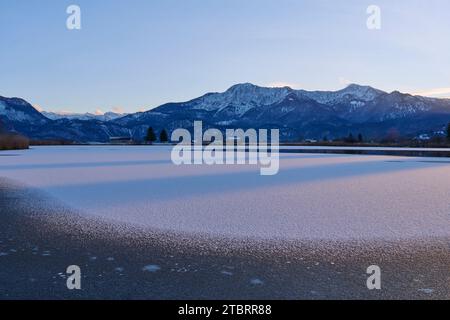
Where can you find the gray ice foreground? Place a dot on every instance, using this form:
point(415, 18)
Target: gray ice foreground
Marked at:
point(313, 197)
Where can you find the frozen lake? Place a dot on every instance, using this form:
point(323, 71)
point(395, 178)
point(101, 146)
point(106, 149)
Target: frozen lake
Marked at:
point(314, 196)
point(363, 148)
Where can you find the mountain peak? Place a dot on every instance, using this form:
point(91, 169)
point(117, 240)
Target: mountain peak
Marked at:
point(242, 87)
point(354, 87)
point(362, 92)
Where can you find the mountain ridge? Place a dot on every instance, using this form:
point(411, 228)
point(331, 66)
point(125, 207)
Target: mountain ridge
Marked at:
point(299, 114)
point(107, 116)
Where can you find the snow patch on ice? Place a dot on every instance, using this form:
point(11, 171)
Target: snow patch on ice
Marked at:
point(151, 268)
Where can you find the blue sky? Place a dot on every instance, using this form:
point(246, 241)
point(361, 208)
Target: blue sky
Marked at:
point(137, 54)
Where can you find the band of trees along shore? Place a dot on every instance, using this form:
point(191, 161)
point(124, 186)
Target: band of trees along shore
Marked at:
point(10, 140)
point(163, 136)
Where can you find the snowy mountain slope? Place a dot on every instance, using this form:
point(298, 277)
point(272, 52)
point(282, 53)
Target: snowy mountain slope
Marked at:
point(16, 110)
point(353, 92)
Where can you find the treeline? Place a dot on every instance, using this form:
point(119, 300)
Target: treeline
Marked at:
point(51, 142)
point(391, 139)
point(10, 141)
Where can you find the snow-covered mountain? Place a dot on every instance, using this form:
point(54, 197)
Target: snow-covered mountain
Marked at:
point(107, 116)
point(242, 97)
point(299, 114)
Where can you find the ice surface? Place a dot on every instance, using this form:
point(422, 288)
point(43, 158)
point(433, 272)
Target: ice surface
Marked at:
point(314, 196)
point(363, 148)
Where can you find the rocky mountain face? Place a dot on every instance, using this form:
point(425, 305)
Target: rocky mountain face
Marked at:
point(299, 114)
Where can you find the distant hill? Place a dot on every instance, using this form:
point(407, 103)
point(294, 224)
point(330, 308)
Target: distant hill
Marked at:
point(17, 115)
point(107, 116)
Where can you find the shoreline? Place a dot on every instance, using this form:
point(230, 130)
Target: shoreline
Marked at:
point(39, 238)
point(379, 150)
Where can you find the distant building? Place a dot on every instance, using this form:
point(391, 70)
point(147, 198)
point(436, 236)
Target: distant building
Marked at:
point(423, 137)
point(121, 140)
